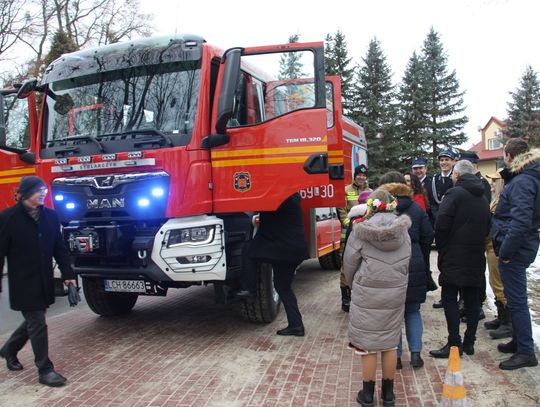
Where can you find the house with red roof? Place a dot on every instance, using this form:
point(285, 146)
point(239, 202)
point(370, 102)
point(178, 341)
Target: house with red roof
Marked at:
point(490, 148)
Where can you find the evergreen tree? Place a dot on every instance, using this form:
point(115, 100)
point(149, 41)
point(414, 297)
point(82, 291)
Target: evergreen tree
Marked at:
point(524, 109)
point(61, 44)
point(412, 111)
point(443, 99)
point(337, 62)
point(290, 66)
point(374, 107)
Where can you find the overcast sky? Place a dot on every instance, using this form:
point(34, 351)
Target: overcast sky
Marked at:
point(488, 42)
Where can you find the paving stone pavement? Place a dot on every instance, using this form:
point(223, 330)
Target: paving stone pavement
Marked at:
point(184, 350)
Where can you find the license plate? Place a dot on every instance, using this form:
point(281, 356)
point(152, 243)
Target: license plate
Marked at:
point(125, 286)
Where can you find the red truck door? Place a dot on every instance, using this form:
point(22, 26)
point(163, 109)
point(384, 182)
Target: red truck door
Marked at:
point(278, 141)
point(332, 192)
point(18, 122)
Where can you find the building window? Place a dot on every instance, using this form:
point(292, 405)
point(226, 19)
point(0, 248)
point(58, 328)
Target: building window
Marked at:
point(494, 144)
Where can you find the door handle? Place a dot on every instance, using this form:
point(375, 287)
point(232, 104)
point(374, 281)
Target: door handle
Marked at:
point(316, 164)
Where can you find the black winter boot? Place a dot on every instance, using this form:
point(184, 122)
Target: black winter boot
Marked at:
point(345, 299)
point(505, 328)
point(365, 396)
point(431, 285)
point(495, 323)
point(416, 360)
point(387, 393)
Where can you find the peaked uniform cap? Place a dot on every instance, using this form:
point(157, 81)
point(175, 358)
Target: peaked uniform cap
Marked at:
point(447, 153)
point(469, 156)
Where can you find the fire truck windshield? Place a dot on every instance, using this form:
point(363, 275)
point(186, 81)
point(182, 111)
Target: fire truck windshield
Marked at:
point(119, 108)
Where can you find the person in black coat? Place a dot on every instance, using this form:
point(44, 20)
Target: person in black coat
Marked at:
point(460, 232)
point(30, 237)
point(281, 241)
point(421, 234)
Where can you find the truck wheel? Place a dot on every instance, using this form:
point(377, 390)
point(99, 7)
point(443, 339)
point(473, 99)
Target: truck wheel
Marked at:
point(331, 261)
point(104, 303)
point(265, 307)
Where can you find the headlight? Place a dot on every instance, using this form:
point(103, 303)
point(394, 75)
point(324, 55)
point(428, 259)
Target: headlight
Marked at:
point(198, 235)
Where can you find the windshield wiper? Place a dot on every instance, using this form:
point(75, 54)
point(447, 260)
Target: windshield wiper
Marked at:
point(92, 139)
point(149, 132)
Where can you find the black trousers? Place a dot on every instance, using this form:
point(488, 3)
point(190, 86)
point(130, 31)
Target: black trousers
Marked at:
point(471, 298)
point(283, 277)
point(34, 328)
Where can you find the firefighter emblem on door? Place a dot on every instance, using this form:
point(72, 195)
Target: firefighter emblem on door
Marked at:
point(242, 181)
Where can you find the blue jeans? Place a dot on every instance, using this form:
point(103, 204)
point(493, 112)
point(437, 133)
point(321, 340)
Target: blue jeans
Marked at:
point(414, 328)
point(514, 279)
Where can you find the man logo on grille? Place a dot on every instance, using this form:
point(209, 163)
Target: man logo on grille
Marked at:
point(105, 182)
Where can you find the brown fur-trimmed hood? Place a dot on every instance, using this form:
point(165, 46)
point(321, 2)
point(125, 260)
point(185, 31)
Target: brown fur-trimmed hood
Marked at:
point(398, 189)
point(522, 160)
point(386, 231)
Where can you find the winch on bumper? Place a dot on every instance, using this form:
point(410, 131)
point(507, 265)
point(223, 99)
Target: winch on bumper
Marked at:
point(187, 249)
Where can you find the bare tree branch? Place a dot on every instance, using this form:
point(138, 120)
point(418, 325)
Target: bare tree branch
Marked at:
point(15, 22)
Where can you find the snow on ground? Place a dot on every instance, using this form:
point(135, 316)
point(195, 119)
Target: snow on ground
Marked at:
point(533, 285)
point(533, 273)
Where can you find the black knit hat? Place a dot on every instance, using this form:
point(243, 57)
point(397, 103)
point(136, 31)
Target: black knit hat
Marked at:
point(29, 186)
point(360, 169)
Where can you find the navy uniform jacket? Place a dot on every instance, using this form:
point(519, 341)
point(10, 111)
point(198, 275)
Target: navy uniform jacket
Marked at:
point(436, 188)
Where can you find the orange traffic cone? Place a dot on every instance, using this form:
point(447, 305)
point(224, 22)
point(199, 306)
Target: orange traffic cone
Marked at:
point(453, 394)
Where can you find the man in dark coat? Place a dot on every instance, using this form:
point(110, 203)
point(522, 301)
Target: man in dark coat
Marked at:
point(461, 229)
point(30, 237)
point(473, 158)
point(516, 223)
point(281, 241)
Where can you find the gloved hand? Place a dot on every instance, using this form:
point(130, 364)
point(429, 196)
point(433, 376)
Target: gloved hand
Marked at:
point(73, 295)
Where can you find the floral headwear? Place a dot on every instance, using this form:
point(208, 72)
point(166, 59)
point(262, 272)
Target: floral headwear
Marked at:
point(376, 205)
point(381, 200)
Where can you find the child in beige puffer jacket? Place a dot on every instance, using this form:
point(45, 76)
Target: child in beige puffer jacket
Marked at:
point(376, 265)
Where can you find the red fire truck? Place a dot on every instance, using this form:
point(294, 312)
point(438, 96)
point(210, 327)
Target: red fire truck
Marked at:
point(160, 152)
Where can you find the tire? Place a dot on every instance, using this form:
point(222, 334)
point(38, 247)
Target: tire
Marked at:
point(104, 303)
point(264, 307)
point(331, 261)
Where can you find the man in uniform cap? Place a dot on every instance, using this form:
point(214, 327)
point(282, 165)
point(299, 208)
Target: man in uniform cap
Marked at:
point(30, 237)
point(441, 182)
point(419, 168)
point(352, 192)
point(438, 186)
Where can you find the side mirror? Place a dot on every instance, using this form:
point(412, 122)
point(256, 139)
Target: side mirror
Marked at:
point(27, 88)
point(228, 88)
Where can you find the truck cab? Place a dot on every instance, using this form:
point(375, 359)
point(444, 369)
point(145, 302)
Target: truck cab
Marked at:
point(160, 152)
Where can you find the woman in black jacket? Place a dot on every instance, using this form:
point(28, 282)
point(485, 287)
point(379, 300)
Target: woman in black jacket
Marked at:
point(421, 234)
